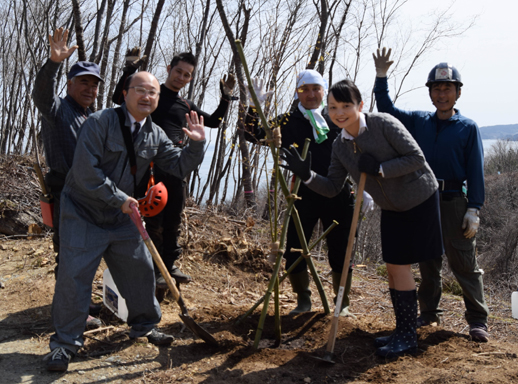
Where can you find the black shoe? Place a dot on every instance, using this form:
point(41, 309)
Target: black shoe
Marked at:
point(478, 332)
point(93, 323)
point(58, 359)
point(94, 309)
point(160, 282)
point(181, 278)
point(425, 323)
point(176, 274)
point(158, 338)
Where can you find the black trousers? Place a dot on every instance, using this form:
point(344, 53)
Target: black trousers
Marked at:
point(164, 228)
point(314, 207)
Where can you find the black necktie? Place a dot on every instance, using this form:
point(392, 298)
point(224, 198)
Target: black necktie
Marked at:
point(135, 132)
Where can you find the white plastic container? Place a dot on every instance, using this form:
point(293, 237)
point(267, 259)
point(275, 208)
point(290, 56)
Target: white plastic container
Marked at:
point(112, 298)
point(514, 304)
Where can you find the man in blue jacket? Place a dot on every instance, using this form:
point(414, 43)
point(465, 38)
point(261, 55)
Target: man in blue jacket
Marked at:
point(453, 148)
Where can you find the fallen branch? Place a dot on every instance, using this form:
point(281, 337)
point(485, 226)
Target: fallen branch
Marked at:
point(98, 330)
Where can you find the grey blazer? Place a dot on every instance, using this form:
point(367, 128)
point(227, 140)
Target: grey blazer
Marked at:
point(100, 180)
point(408, 180)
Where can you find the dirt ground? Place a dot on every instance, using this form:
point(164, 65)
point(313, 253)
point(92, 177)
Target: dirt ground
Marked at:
point(230, 273)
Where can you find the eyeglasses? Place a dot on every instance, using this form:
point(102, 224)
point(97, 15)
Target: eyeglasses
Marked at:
point(144, 92)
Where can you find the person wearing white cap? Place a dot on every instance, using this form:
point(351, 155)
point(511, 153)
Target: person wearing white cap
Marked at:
point(309, 120)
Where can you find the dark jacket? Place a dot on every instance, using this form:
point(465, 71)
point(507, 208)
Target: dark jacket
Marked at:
point(170, 112)
point(408, 180)
point(100, 180)
point(61, 119)
point(295, 128)
point(452, 147)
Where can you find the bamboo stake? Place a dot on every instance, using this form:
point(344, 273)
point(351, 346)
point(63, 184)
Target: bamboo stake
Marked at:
point(278, 261)
point(286, 273)
point(274, 282)
point(309, 261)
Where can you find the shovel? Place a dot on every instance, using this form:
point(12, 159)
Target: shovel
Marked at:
point(188, 320)
point(329, 355)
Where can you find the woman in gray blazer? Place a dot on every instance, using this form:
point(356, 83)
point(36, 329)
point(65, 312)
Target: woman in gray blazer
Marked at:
point(400, 181)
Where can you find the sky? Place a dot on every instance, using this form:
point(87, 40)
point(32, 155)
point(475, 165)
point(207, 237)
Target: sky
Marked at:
point(486, 56)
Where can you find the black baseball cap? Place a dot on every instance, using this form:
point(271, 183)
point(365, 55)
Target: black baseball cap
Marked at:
point(82, 68)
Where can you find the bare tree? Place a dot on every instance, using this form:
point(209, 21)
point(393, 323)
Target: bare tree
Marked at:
point(81, 52)
point(243, 148)
point(152, 31)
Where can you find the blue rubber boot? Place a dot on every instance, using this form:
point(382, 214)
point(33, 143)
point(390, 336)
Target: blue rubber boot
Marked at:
point(404, 339)
point(384, 340)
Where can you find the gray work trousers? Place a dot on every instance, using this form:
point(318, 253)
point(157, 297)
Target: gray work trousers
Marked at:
point(461, 256)
point(82, 245)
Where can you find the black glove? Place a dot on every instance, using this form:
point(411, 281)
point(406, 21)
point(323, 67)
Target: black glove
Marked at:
point(133, 61)
point(368, 164)
point(295, 164)
point(226, 86)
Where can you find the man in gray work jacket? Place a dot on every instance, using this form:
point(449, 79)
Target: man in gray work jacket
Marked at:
point(96, 201)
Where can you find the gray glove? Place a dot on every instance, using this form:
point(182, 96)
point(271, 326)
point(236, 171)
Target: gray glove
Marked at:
point(295, 164)
point(382, 62)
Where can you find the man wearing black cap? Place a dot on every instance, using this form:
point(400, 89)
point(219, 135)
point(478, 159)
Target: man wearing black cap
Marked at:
point(62, 117)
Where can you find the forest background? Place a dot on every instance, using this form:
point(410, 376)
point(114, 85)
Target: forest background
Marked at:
point(280, 38)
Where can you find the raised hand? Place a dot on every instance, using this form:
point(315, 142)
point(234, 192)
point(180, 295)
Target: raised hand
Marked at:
point(226, 85)
point(382, 61)
point(258, 85)
point(133, 59)
point(196, 131)
point(58, 46)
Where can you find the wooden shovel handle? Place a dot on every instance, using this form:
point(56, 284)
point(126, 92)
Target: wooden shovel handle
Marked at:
point(347, 261)
point(135, 217)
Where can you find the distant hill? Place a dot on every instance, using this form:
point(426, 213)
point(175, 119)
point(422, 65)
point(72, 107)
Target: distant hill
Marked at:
point(499, 132)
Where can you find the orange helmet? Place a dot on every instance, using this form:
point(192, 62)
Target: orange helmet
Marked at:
point(155, 199)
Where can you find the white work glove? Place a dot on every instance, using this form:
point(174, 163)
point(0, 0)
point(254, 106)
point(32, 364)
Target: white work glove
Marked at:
point(258, 85)
point(367, 204)
point(470, 223)
point(382, 61)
